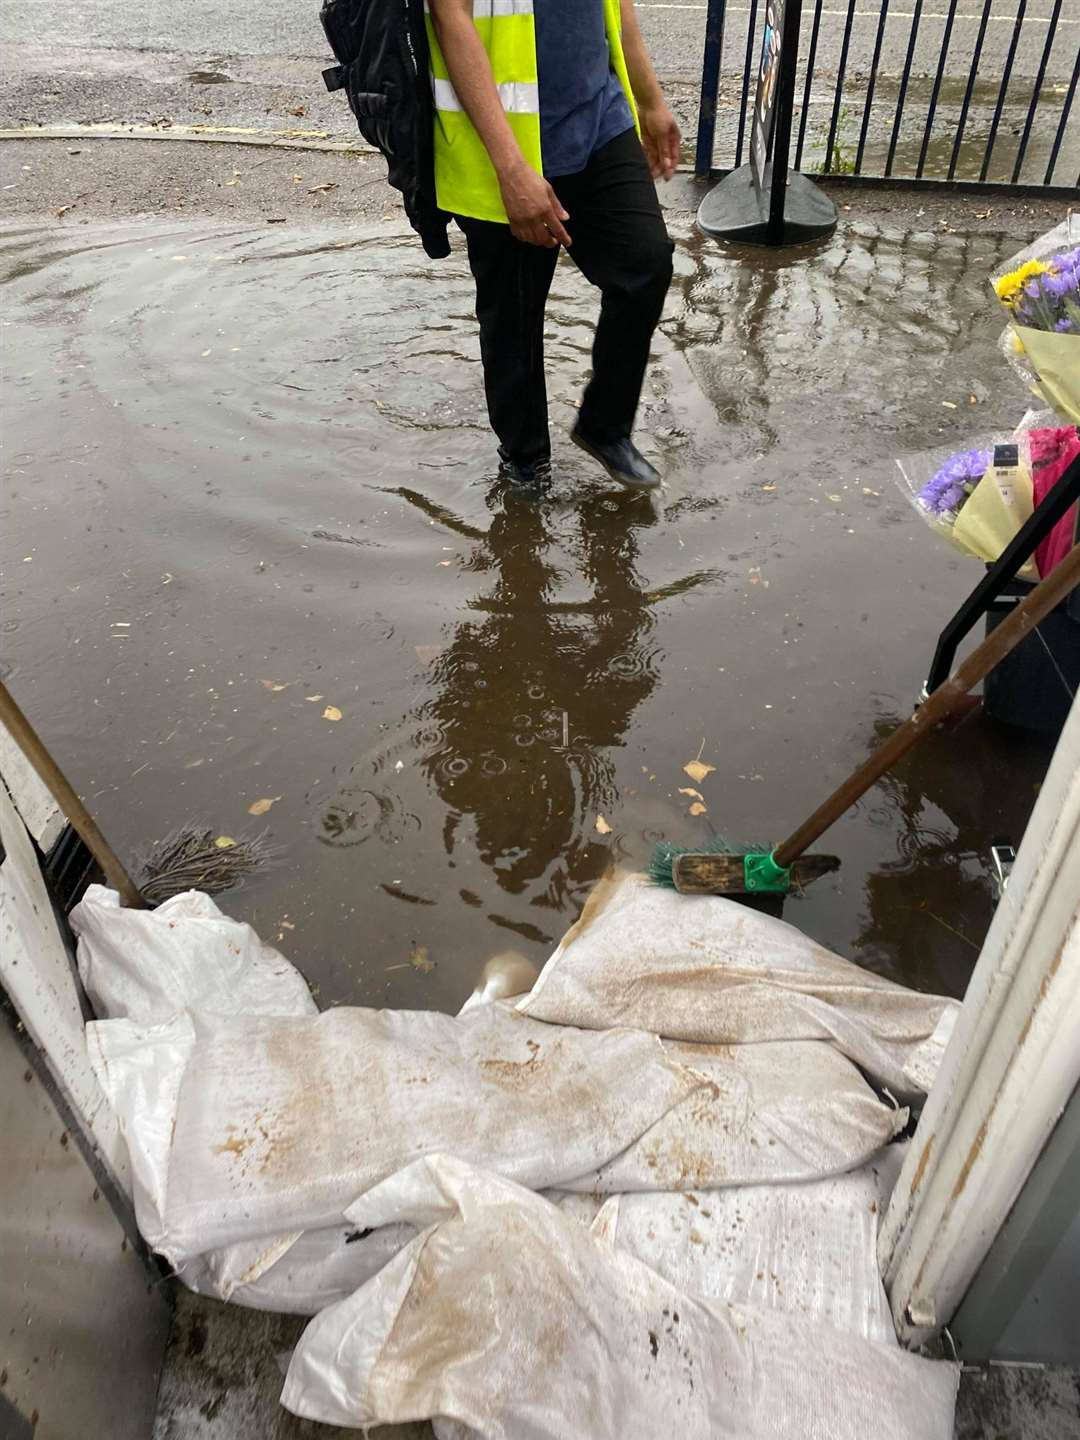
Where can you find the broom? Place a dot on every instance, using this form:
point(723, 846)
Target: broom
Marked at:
point(776, 872)
point(189, 859)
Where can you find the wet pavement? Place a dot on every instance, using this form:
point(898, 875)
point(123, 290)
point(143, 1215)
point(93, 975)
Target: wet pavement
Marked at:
point(250, 490)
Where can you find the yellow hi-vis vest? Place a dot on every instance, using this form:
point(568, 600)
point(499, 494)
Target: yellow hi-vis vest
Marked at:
point(465, 180)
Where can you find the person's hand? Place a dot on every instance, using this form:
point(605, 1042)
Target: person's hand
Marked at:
point(533, 208)
point(661, 139)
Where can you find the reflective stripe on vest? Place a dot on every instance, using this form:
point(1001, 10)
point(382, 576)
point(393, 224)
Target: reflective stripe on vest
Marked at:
point(465, 180)
point(517, 97)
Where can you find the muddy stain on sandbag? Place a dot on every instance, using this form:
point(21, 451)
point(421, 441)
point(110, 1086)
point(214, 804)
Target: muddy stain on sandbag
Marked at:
point(269, 451)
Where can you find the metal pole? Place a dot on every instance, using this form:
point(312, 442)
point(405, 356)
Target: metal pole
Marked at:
point(28, 741)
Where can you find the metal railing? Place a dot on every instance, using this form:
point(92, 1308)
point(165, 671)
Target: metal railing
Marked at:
point(975, 94)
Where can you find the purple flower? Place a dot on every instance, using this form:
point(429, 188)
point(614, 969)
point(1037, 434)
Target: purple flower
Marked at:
point(1065, 326)
point(946, 492)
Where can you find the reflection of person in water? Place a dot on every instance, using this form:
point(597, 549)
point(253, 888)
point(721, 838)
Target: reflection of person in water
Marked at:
point(531, 698)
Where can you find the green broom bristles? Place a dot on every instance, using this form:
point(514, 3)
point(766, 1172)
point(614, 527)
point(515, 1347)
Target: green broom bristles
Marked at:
point(661, 862)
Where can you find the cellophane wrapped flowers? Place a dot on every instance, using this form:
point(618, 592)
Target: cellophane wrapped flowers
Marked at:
point(1040, 289)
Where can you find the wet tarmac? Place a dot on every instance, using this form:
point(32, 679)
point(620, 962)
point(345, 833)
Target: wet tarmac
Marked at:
point(254, 552)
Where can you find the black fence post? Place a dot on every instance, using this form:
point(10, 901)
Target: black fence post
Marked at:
point(710, 88)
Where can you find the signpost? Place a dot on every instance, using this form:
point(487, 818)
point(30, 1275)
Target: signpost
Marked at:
point(763, 203)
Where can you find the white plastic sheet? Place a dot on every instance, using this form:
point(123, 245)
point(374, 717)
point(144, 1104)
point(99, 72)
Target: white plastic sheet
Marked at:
point(711, 970)
point(509, 1319)
point(242, 1127)
point(145, 965)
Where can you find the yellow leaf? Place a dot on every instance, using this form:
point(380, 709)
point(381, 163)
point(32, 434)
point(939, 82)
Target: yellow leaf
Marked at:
point(420, 960)
point(274, 685)
point(224, 842)
point(694, 794)
point(698, 770)
point(314, 698)
point(260, 807)
point(331, 713)
point(697, 808)
point(602, 827)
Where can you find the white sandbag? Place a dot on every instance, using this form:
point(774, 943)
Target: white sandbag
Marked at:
point(145, 965)
point(509, 1319)
point(707, 969)
point(275, 1125)
point(808, 1249)
point(296, 1274)
point(148, 965)
point(771, 1112)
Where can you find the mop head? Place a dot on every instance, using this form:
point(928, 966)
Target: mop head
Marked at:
point(191, 859)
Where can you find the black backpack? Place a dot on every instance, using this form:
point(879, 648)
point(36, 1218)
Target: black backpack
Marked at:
point(382, 49)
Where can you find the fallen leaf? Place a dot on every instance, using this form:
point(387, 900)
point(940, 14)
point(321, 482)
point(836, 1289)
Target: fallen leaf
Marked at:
point(314, 698)
point(768, 487)
point(419, 960)
point(602, 827)
point(331, 713)
point(274, 685)
point(694, 794)
point(836, 499)
point(697, 808)
point(298, 110)
point(446, 562)
point(698, 770)
point(260, 807)
point(205, 353)
point(323, 188)
point(224, 842)
point(948, 405)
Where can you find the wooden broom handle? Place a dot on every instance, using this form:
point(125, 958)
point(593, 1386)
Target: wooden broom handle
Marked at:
point(29, 742)
point(940, 705)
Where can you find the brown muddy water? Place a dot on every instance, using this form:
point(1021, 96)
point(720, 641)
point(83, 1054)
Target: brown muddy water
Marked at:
point(250, 491)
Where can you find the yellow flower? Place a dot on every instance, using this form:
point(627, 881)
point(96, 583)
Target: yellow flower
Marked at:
point(1008, 288)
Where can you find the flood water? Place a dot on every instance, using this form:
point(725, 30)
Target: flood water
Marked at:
point(250, 487)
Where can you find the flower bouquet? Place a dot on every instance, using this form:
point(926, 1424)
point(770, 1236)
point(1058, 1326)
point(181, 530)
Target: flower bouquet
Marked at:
point(1041, 291)
point(976, 511)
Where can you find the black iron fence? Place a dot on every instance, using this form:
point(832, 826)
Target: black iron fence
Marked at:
point(972, 93)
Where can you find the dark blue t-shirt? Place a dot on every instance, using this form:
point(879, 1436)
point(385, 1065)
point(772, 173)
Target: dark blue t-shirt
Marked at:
point(582, 105)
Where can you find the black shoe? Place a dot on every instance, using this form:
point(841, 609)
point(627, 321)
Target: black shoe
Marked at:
point(622, 460)
point(526, 475)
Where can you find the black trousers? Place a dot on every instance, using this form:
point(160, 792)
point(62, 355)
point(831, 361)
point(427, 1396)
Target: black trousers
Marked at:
point(620, 245)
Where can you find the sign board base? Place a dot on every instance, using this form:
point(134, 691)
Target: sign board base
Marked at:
point(737, 210)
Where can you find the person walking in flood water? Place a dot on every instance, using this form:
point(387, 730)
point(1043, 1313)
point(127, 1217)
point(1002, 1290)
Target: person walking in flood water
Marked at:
point(550, 129)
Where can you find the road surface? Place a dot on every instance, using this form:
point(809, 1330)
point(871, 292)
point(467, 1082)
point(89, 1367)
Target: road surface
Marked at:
point(258, 67)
